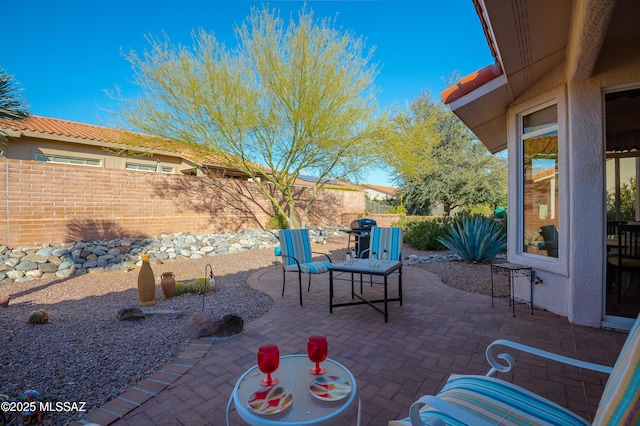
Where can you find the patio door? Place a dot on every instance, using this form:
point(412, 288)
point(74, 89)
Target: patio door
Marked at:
point(622, 133)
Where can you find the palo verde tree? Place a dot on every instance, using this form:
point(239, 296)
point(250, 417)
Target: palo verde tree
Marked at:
point(11, 106)
point(437, 159)
point(288, 99)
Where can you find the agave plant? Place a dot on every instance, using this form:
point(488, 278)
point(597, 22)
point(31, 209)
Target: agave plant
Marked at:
point(475, 239)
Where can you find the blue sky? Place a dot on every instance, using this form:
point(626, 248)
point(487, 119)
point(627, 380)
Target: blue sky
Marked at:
point(64, 54)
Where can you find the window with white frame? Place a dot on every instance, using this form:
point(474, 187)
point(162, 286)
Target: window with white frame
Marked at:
point(66, 159)
point(147, 167)
point(539, 186)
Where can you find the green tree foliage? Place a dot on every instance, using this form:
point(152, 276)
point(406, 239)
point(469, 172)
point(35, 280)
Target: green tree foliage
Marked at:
point(291, 98)
point(627, 202)
point(438, 160)
point(11, 106)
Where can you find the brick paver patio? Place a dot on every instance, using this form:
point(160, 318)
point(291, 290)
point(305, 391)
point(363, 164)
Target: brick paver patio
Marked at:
point(438, 331)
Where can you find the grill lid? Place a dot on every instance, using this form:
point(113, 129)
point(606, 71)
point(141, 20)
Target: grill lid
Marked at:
point(363, 223)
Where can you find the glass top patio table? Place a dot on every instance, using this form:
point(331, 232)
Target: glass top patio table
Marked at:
point(305, 409)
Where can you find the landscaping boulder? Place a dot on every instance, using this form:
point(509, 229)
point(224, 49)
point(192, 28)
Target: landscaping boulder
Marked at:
point(205, 326)
point(131, 313)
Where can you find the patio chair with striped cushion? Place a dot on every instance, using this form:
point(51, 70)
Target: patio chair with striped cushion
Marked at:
point(297, 256)
point(386, 243)
point(485, 400)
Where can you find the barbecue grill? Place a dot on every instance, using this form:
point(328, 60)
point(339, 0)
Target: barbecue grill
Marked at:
point(361, 232)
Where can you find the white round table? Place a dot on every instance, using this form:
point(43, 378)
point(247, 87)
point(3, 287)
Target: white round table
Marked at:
point(305, 409)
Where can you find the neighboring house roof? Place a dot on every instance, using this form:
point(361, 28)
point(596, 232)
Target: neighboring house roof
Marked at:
point(71, 131)
point(529, 40)
point(380, 188)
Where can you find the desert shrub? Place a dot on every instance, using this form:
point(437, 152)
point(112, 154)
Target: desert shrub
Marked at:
point(277, 221)
point(424, 234)
point(476, 238)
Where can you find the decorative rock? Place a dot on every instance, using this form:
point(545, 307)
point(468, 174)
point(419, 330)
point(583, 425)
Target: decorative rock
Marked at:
point(65, 273)
point(14, 275)
point(130, 313)
point(59, 252)
point(35, 273)
point(169, 313)
point(48, 268)
point(4, 300)
point(204, 326)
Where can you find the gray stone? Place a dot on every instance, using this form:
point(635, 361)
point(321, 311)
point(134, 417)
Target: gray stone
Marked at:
point(167, 242)
point(54, 260)
point(65, 265)
point(90, 264)
point(59, 252)
point(65, 273)
point(114, 252)
point(168, 313)
point(80, 272)
point(26, 265)
point(96, 270)
point(45, 251)
point(24, 279)
point(36, 273)
point(36, 258)
point(3, 249)
point(14, 275)
point(12, 262)
point(48, 268)
point(17, 254)
point(130, 313)
point(7, 280)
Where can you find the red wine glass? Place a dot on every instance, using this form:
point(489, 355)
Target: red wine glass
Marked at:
point(268, 362)
point(317, 350)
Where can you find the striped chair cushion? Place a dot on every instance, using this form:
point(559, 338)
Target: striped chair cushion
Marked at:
point(295, 243)
point(496, 401)
point(310, 268)
point(389, 239)
point(620, 402)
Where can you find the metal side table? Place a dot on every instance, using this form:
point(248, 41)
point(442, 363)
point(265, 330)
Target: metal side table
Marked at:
point(513, 270)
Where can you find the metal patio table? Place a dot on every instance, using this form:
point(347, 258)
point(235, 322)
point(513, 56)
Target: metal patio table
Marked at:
point(371, 267)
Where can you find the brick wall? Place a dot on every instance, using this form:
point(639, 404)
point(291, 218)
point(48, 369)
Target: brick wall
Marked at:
point(53, 203)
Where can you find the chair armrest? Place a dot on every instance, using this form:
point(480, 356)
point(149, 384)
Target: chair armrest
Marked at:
point(316, 252)
point(496, 366)
point(290, 257)
point(363, 252)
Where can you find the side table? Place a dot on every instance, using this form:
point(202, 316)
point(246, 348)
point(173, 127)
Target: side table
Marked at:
point(513, 270)
point(293, 374)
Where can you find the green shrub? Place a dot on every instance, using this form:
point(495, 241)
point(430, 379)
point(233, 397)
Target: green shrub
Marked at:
point(476, 238)
point(424, 234)
point(277, 221)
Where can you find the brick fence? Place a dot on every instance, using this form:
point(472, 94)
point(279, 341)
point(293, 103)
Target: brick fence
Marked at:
point(54, 203)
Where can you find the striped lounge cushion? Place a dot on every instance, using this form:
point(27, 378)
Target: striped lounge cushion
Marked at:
point(620, 402)
point(310, 268)
point(495, 401)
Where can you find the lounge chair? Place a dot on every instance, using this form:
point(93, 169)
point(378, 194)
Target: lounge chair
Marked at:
point(485, 400)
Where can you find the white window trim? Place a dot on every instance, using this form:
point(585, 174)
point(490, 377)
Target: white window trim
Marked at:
point(515, 243)
point(66, 162)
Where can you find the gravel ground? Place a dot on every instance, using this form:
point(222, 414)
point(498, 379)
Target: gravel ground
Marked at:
point(86, 354)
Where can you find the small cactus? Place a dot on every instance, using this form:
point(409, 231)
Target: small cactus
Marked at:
point(39, 317)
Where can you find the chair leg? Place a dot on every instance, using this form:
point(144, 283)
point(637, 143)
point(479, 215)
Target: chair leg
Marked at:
point(300, 285)
point(309, 286)
point(284, 277)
